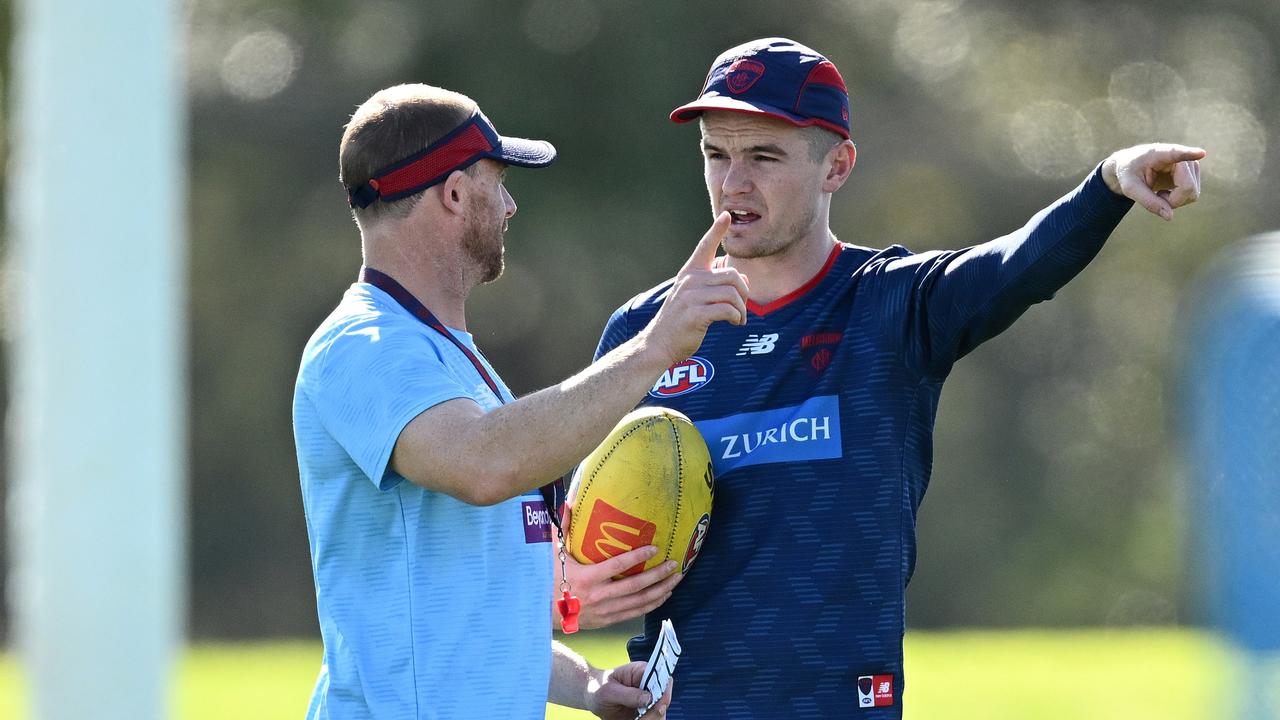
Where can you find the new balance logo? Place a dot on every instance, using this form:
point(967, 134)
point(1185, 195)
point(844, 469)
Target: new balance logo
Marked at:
point(758, 344)
point(875, 691)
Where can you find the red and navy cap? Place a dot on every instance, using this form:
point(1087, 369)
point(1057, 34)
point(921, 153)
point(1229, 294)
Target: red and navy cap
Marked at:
point(776, 77)
point(462, 147)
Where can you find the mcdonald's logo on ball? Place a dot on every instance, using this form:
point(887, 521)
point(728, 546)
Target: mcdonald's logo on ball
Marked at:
point(649, 483)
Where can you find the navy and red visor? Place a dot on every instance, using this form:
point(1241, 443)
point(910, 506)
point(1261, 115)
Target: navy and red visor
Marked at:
point(464, 146)
point(778, 78)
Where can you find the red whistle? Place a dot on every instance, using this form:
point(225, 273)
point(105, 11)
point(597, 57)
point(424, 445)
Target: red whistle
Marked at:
point(569, 606)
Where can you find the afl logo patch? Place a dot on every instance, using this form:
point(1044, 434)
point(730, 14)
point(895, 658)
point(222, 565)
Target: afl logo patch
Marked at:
point(742, 75)
point(683, 377)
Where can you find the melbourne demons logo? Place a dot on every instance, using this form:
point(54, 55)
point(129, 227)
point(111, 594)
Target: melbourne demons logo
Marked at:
point(611, 532)
point(818, 350)
point(683, 377)
point(743, 74)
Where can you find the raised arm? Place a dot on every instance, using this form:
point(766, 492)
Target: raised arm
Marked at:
point(486, 457)
point(950, 302)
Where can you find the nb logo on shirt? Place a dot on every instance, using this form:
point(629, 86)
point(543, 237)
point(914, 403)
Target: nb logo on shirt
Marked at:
point(875, 691)
point(758, 344)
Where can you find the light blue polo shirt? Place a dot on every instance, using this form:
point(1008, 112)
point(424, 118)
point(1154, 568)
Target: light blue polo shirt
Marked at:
point(429, 607)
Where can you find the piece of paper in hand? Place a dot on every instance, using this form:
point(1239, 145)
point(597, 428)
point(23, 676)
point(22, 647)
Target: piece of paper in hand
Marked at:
point(662, 663)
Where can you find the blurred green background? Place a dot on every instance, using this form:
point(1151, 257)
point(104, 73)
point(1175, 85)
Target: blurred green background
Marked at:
point(1014, 675)
point(1059, 496)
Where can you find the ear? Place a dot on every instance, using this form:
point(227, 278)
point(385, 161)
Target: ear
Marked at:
point(453, 192)
point(840, 161)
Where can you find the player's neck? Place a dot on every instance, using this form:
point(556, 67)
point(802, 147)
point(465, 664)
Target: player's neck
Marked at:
point(775, 276)
point(435, 273)
point(442, 295)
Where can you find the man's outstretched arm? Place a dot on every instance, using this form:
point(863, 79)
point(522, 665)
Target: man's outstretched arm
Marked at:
point(953, 301)
point(484, 458)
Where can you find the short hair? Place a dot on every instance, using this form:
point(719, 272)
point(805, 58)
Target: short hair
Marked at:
point(390, 126)
point(820, 140)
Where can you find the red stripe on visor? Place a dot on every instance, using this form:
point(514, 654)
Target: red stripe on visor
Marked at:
point(439, 160)
point(462, 147)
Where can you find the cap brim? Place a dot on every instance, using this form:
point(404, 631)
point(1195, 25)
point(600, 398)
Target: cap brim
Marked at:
point(526, 153)
point(691, 111)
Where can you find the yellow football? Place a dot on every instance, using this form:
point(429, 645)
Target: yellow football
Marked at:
point(649, 483)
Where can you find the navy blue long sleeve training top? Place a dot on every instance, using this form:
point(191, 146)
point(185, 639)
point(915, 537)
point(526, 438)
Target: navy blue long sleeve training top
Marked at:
point(819, 416)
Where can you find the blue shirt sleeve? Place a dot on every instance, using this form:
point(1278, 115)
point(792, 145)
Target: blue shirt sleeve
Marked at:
point(942, 305)
point(372, 380)
point(616, 332)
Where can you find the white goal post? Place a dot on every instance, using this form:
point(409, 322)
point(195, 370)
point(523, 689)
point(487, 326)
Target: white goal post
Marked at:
point(95, 308)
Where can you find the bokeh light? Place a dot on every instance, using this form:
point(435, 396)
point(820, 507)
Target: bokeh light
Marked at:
point(1227, 55)
point(1235, 139)
point(1101, 112)
point(260, 65)
point(932, 40)
point(378, 38)
point(1149, 98)
point(1052, 139)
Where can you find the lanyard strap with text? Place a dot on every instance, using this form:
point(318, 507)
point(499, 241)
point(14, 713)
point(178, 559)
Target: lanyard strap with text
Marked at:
point(552, 493)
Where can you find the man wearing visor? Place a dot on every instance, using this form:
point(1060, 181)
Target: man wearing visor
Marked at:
point(426, 484)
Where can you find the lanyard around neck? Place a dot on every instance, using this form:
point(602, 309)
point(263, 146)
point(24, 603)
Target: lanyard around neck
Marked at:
point(400, 294)
point(553, 493)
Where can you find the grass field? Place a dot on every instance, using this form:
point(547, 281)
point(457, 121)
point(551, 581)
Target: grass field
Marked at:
point(1099, 675)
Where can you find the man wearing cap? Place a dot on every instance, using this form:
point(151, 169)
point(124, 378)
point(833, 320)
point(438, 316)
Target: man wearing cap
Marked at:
point(819, 410)
point(425, 483)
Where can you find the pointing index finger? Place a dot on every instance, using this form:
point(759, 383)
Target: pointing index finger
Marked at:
point(1173, 154)
point(705, 253)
